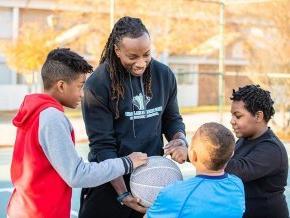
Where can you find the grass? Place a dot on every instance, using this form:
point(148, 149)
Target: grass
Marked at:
point(77, 113)
point(73, 113)
point(202, 109)
point(7, 116)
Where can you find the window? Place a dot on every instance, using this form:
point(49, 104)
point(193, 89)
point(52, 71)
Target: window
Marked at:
point(5, 23)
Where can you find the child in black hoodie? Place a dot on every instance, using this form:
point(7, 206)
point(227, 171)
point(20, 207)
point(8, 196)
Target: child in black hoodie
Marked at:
point(130, 101)
point(260, 158)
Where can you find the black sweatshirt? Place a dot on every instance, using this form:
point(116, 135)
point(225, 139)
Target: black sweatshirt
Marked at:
point(141, 131)
point(262, 164)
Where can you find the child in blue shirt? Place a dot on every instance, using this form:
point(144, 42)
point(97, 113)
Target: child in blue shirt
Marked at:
point(212, 192)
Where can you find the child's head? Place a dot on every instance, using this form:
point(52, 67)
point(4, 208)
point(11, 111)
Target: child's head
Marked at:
point(251, 109)
point(211, 147)
point(128, 50)
point(63, 75)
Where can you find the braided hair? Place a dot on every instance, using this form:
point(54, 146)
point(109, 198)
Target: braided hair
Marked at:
point(125, 27)
point(255, 99)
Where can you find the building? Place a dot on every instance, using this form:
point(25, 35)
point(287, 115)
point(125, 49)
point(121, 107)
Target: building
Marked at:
point(196, 72)
point(13, 14)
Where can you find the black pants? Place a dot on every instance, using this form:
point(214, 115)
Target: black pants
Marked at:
point(101, 202)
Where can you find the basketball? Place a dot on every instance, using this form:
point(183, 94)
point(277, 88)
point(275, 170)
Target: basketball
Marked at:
point(147, 181)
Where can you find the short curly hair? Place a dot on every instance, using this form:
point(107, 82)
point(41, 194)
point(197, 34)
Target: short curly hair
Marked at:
point(255, 99)
point(63, 64)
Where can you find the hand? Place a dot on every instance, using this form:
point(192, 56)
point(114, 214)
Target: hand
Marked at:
point(177, 149)
point(138, 159)
point(133, 203)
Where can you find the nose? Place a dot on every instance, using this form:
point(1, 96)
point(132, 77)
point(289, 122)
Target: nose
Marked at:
point(141, 64)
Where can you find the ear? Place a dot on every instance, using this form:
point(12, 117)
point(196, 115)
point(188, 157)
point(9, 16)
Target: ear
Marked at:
point(194, 157)
point(192, 154)
point(60, 85)
point(259, 116)
point(117, 51)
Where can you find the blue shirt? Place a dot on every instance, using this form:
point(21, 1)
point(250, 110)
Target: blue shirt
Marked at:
point(201, 196)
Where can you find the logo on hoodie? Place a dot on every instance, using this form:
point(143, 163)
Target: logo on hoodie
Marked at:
point(140, 102)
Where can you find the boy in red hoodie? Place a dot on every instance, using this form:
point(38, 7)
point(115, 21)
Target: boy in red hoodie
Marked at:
point(45, 166)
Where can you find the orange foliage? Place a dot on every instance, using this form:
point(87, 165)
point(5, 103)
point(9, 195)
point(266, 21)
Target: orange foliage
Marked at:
point(28, 52)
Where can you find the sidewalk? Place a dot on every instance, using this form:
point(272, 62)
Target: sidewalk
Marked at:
point(192, 122)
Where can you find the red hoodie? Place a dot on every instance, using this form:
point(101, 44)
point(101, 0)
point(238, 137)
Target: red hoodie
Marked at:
point(39, 190)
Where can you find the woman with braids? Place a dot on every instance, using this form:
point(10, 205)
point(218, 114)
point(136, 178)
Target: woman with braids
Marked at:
point(260, 158)
point(129, 103)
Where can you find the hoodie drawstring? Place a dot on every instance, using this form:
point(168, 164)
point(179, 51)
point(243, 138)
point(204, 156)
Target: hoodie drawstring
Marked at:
point(132, 105)
point(144, 96)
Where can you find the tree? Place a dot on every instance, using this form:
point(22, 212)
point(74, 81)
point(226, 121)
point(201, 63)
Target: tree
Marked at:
point(269, 52)
point(175, 26)
point(27, 54)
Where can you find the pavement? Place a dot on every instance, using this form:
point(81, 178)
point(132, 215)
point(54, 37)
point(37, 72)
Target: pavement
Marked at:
point(7, 137)
point(6, 187)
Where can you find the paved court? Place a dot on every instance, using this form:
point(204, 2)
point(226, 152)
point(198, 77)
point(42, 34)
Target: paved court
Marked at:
point(6, 187)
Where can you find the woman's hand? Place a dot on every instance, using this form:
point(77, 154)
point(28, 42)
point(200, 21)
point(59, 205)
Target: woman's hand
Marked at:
point(133, 203)
point(177, 148)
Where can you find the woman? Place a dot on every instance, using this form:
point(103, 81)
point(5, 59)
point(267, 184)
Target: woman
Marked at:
point(129, 102)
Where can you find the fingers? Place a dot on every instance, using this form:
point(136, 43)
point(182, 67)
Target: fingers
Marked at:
point(171, 149)
point(140, 163)
point(141, 209)
point(138, 159)
point(142, 158)
point(179, 154)
point(171, 146)
point(175, 142)
point(133, 203)
point(177, 157)
point(130, 200)
point(139, 155)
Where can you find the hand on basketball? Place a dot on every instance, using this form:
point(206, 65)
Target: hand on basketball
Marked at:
point(133, 203)
point(177, 149)
point(138, 159)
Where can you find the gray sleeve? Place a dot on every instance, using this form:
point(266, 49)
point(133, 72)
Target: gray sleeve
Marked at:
point(55, 139)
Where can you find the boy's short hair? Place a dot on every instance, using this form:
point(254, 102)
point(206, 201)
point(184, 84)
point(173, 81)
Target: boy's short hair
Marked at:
point(255, 99)
point(63, 64)
point(220, 144)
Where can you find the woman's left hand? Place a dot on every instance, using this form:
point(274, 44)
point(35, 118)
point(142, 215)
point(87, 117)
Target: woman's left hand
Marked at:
point(177, 149)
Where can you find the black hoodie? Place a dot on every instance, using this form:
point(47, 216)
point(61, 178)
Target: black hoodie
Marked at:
point(141, 131)
point(262, 164)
